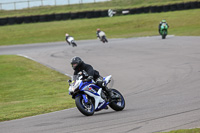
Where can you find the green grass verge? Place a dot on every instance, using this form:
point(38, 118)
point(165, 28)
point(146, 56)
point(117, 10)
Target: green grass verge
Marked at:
point(114, 4)
point(182, 23)
point(196, 130)
point(29, 88)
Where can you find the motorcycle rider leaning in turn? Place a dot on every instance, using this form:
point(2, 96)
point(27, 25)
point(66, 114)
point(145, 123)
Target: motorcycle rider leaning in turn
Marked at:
point(159, 26)
point(79, 66)
point(98, 31)
point(66, 38)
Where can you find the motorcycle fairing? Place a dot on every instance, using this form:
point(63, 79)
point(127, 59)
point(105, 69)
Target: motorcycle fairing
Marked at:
point(97, 97)
point(164, 26)
point(70, 39)
point(102, 106)
point(92, 90)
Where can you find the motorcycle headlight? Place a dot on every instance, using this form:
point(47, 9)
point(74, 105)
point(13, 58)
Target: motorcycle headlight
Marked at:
point(73, 87)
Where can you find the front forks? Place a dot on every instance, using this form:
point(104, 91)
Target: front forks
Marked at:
point(85, 98)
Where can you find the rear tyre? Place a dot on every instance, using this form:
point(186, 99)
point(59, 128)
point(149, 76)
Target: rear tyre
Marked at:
point(85, 108)
point(74, 44)
point(103, 39)
point(106, 40)
point(118, 104)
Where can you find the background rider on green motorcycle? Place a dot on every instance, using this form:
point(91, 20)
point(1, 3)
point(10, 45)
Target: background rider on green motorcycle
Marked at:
point(163, 21)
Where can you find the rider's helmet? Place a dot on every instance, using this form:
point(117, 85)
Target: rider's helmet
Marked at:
point(98, 29)
point(66, 34)
point(76, 62)
point(163, 21)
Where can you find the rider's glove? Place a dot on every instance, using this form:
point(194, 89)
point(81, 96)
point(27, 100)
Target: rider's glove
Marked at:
point(88, 79)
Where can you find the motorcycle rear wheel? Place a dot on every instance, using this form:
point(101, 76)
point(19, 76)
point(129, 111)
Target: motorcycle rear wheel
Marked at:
point(119, 104)
point(74, 44)
point(103, 39)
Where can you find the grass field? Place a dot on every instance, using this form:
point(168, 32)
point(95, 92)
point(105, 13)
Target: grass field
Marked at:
point(29, 88)
point(114, 4)
point(182, 23)
point(196, 130)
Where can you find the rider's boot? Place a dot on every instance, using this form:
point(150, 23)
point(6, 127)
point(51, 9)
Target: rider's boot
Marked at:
point(110, 93)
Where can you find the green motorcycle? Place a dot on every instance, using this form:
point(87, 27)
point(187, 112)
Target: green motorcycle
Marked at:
point(163, 30)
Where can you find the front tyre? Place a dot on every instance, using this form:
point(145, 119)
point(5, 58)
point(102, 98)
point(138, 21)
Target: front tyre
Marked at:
point(85, 108)
point(119, 103)
point(164, 34)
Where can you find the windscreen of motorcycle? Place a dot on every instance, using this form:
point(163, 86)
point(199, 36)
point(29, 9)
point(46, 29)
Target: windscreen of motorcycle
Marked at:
point(75, 83)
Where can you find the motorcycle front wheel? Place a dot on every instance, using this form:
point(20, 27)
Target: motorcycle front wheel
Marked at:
point(119, 103)
point(164, 34)
point(85, 108)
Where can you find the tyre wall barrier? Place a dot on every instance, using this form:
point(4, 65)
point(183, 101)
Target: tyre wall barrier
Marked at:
point(74, 15)
point(90, 14)
point(132, 11)
point(104, 13)
point(58, 17)
point(166, 8)
point(42, 18)
point(146, 9)
point(140, 10)
point(35, 18)
point(3, 21)
point(173, 7)
point(66, 16)
point(180, 6)
point(159, 8)
point(28, 19)
point(96, 14)
point(153, 9)
point(194, 5)
point(19, 20)
point(12, 20)
point(50, 17)
point(187, 5)
point(82, 15)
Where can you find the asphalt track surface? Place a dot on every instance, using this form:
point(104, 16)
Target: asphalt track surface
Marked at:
point(160, 80)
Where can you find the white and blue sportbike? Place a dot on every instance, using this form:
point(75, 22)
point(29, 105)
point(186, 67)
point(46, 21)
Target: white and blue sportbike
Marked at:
point(90, 97)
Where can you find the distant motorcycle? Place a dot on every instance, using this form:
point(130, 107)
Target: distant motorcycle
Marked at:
point(90, 97)
point(102, 37)
point(71, 41)
point(163, 30)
